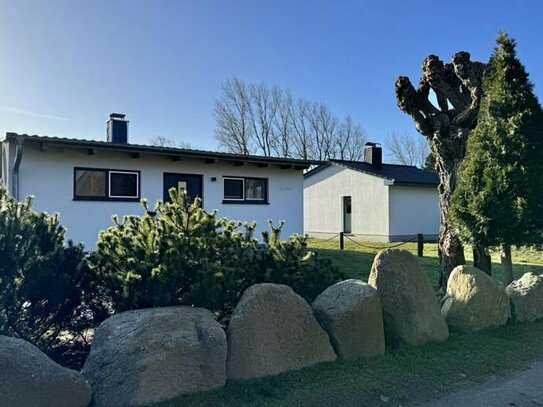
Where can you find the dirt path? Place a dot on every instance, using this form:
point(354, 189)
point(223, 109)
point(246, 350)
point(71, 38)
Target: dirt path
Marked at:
point(522, 389)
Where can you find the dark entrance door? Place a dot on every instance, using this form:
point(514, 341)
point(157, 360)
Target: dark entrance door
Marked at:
point(191, 184)
point(347, 214)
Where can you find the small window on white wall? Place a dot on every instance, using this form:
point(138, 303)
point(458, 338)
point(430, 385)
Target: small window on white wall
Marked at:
point(123, 184)
point(90, 183)
point(255, 189)
point(233, 188)
point(245, 190)
point(99, 184)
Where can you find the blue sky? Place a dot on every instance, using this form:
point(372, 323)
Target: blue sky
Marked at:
point(65, 65)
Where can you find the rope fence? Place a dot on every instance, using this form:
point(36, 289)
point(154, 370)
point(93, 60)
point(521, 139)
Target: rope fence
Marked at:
point(380, 247)
point(419, 238)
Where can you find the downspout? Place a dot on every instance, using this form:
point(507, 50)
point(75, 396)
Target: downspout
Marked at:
point(16, 166)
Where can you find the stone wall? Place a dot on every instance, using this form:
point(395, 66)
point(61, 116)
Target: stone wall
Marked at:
point(153, 355)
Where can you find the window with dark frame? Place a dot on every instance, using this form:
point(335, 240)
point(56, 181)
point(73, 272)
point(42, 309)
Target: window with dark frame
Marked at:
point(245, 190)
point(233, 188)
point(105, 184)
point(123, 184)
point(90, 183)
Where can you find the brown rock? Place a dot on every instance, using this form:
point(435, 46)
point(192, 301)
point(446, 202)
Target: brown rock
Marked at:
point(350, 311)
point(29, 378)
point(273, 330)
point(474, 301)
point(526, 295)
point(410, 306)
point(151, 355)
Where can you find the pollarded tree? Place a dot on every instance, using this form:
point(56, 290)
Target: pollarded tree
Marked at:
point(446, 127)
point(498, 201)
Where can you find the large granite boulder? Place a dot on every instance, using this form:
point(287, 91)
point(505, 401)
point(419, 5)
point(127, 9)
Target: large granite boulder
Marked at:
point(150, 355)
point(526, 295)
point(29, 378)
point(411, 311)
point(474, 301)
point(273, 330)
point(351, 313)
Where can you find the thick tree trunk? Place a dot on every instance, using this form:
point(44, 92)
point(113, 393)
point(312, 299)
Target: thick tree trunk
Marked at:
point(507, 264)
point(482, 259)
point(449, 152)
point(446, 125)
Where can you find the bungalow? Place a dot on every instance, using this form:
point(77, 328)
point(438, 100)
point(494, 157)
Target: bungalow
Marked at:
point(372, 200)
point(88, 181)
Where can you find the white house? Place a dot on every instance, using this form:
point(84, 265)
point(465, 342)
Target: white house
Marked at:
point(372, 200)
point(88, 181)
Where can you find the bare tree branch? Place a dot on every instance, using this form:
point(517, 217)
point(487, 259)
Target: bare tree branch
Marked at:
point(257, 119)
point(161, 141)
point(232, 113)
point(407, 149)
point(350, 140)
point(446, 130)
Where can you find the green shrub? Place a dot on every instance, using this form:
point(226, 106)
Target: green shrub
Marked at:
point(48, 295)
point(179, 254)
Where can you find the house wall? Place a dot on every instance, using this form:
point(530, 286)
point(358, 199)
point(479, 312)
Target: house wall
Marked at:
point(323, 208)
point(8, 156)
point(48, 175)
point(413, 210)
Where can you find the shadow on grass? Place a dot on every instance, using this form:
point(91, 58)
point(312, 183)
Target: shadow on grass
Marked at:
point(402, 375)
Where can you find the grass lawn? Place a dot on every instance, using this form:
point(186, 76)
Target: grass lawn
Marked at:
point(402, 375)
point(356, 260)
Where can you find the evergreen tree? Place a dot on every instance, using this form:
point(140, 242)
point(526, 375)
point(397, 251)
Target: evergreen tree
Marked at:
point(498, 201)
point(47, 293)
point(177, 253)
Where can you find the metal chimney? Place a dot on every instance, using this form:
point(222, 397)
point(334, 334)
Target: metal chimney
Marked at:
point(373, 154)
point(117, 128)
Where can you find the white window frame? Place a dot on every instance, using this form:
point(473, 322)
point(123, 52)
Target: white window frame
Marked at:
point(242, 189)
point(110, 195)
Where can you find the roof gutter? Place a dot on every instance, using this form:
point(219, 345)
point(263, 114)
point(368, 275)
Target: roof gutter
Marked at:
point(16, 165)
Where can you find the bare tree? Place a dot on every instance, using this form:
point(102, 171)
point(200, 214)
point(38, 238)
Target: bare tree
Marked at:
point(350, 140)
point(233, 115)
point(302, 134)
point(283, 123)
point(258, 119)
point(263, 107)
point(161, 141)
point(458, 90)
point(324, 126)
point(407, 149)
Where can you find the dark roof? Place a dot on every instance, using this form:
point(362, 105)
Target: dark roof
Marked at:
point(169, 151)
point(406, 175)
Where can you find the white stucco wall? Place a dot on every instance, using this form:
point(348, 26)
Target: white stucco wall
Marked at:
point(323, 210)
point(8, 156)
point(413, 210)
point(48, 175)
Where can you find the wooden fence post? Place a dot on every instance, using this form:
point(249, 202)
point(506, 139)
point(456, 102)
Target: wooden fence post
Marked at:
point(341, 241)
point(420, 244)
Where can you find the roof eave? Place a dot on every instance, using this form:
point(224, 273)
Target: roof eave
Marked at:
point(362, 171)
point(414, 184)
point(168, 151)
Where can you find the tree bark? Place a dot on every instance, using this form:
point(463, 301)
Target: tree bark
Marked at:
point(482, 259)
point(507, 264)
point(457, 88)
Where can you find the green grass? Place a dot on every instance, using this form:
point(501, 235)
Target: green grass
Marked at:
point(403, 375)
point(356, 260)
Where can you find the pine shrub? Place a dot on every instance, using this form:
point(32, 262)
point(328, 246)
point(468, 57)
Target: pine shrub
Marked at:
point(177, 253)
point(48, 296)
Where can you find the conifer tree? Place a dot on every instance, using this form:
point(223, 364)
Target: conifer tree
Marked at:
point(498, 201)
